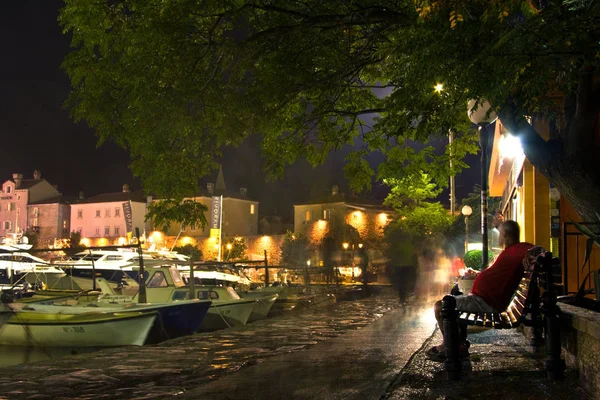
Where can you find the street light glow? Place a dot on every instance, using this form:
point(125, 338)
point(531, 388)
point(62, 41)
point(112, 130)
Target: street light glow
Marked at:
point(439, 87)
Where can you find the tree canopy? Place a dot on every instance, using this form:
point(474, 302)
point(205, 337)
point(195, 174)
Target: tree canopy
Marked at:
point(174, 81)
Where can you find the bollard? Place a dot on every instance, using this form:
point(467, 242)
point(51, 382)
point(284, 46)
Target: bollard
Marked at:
point(452, 365)
point(555, 365)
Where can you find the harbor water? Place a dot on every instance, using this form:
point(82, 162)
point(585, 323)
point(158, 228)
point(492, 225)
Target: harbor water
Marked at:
point(180, 364)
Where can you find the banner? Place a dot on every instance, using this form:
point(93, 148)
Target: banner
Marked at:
point(215, 213)
point(128, 216)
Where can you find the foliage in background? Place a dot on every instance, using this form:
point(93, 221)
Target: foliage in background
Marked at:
point(73, 245)
point(472, 259)
point(238, 249)
point(189, 250)
point(33, 238)
point(187, 213)
point(295, 249)
point(175, 81)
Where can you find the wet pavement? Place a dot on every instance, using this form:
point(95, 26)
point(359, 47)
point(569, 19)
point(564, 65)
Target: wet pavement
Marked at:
point(366, 349)
point(184, 364)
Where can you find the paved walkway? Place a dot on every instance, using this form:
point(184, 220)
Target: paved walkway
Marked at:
point(386, 360)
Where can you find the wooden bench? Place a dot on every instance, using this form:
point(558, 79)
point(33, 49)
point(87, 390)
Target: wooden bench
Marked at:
point(529, 306)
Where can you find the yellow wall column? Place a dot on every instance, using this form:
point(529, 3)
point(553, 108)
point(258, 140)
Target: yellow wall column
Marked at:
point(542, 210)
point(528, 204)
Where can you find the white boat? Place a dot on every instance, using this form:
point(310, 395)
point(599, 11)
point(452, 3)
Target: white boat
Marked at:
point(165, 284)
point(14, 263)
point(71, 327)
point(263, 306)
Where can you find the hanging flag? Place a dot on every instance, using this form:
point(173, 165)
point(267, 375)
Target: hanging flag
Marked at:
point(128, 216)
point(215, 217)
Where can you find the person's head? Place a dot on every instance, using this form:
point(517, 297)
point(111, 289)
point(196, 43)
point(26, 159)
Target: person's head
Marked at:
point(509, 233)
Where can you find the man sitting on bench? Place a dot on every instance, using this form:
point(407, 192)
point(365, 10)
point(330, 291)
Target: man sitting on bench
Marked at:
point(492, 289)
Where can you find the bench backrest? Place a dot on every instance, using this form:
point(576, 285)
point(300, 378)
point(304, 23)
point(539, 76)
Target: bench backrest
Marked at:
point(519, 304)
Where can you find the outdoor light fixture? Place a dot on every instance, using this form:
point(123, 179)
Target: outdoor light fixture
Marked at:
point(466, 211)
point(439, 87)
point(345, 246)
point(308, 263)
point(229, 246)
point(480, 114)
point(360, 245)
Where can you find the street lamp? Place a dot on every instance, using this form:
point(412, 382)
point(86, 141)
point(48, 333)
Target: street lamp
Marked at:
point(466, 211)
point(483, 117)
point(229, 247)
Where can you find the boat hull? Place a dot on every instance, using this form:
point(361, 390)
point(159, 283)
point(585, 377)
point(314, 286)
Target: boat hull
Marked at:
point(222, 315)
point(173, 319)
point(263, 307)
point(77, 330)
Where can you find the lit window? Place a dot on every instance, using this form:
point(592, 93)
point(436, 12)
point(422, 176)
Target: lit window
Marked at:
point(307, 216)
point(117, 212)
point(107, 213)
point(116, 231)
point(97, 213)
point(251, 208)
point(36, 211)
point(107, 231)
point(79, 214)
point(65, 224)
point(327, 214)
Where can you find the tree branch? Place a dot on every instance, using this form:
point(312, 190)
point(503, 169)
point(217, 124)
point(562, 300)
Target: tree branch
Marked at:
point(581, 129)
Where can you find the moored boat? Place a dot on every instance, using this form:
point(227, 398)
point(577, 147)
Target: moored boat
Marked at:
point(30, 327)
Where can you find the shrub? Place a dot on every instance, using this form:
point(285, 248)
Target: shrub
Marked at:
point(472, 259)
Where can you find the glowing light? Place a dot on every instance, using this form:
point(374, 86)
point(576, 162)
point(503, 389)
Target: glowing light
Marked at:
point(122, 241)
point(156, 236)
point(360, 245)
point(345, 246)
point(382, 218)
point(85, 242)
point(439, 87)
point(186, 240)
point(265, 239)
point(509, 146)
point(102, 242)
point(229, 246)
point(216, 247)
point(308, 263)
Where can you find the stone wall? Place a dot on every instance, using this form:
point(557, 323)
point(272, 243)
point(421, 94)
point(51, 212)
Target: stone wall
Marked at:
point(580, 336)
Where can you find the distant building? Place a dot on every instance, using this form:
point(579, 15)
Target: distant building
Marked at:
point(110, 216)
point(16, 195)
point(50, 219)
point(240, 213)
point(317, 218)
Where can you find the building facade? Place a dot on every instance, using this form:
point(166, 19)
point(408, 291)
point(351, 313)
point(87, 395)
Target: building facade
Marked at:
point(112, 217)
point(50, 219)
point(17, 194)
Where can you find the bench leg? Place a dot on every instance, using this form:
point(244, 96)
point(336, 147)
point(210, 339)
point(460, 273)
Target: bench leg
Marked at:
point(537, 326)
point(450, 330)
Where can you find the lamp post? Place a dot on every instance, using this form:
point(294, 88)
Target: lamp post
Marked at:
point(483, 117)
point(466, 211)
point(229, 246)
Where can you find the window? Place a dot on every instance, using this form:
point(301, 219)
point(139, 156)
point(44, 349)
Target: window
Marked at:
point(113, 258)
point(9, 189)
point(117, 212)
point(116, 231)
point(79, 230)
point(79, 214)
point(7, 225)
point(64, 224)
point(251, 208)
point(307, 216)
point(193, 227)
point(327, 214)
point(107, 231)
point(97, 213)
point(36, 212)
point(207, 294)
point(10, 206)
point(183, 227)
point(158, 280)
point(34, 221)
point(18, 197)
point(97, 231)
point(107, 213)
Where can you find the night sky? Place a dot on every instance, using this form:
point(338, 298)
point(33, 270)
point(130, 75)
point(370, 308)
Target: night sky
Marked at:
point(37, 132)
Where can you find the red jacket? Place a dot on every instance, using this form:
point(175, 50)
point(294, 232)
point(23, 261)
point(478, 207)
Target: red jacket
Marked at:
point(497, 283)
